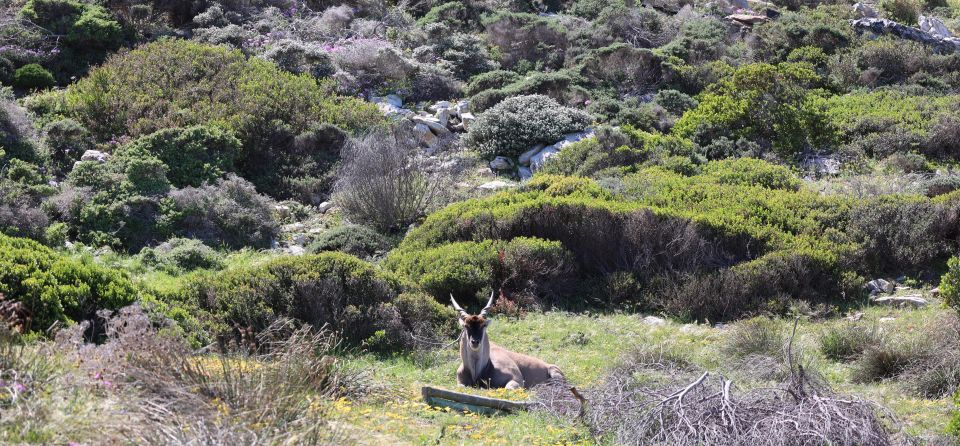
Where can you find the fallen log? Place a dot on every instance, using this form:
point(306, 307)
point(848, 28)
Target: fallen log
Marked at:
point(472, 403)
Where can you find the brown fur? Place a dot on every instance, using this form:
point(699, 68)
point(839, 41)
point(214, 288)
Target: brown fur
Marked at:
point(489, 365)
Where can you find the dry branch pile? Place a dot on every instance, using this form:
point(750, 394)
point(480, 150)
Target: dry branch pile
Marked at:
point(632, 406)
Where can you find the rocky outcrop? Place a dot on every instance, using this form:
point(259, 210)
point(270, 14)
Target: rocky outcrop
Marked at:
point(884, 26)
point(913, 300)
point(435, 125)
point(533, 159)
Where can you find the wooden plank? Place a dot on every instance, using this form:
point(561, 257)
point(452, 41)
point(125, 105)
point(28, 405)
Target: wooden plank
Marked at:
point(473, 403)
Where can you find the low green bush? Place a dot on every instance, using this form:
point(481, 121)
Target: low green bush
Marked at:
point(516, 124)
point(950, 284)
point(336, 290)
point(756, 336)
point(194, 154)
point(357, 240)
point(55, 288)
point(178, 255)
point(33, 77)
point(752, 172)
point(528, 266)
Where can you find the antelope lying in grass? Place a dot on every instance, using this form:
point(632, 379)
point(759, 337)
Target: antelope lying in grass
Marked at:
point(485, 364)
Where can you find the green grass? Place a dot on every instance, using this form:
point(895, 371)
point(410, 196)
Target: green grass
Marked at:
point(586, 347)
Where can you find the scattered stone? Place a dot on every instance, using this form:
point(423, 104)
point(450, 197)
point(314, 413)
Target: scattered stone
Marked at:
point(525, 156)
point(883, 26)
point(653, 320)
point(394, 100)
point(426, 136)
point(935, 292)
point(913, 300)
point(501, 163)
point(855, 316)
point(283, 211)
point(934, 27)
point(494, 185)
point(296, 250)
point(441, 105)
point(292, 227)
point(747, 19)
point(877, 286)
point(325, 206)
point(524, 173)
point(461, 108)
point(467, 119)
point(537, 161)
point(95, 155)
point(299, 239)
point(863, 11)
point(443, 115)
point(884, 320)
point(434, 124)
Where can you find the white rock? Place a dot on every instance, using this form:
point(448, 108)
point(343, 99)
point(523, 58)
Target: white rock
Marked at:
point(855, 316)
point(434, 124)
point(443, 115)
point(525, 156)
point(296, 250)
point(292, 227)
point(426, 136)
point(934, 26)
point(395, 100)
point(467, 119)
point(525, 173)
point(501, 163)
point(877, 286)
point(282, 210)
point(299, 239)
point(95, 155)
point(884, 320)
point(653, 320)
point(537, 161)
point(461, 108)
point(935, 292)
point(494, 185)
point(913, 300)
point(863, 10)
point(325, 206)
point(439, 106)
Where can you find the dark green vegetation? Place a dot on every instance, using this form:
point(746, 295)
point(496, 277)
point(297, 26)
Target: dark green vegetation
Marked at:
point(235, 171)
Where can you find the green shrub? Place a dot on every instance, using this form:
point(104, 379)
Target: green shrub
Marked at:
point(752, 172)
point(180, 254)
point(608, 149)
point(846, 341)
point(516, 124)
point(65, 142)
point(768, 104)
point(903, 11)
point(348, 295)
point(824, 28)
point(674, 101)
point(622, 68)
point(88, 32)
point(265, 107)
point(55, 288)
point(953, 428)
point(33, 77)
point(194, 154)
point(555, 85)
point(490, 80)
point(357, 240)
point(6, 71)
point(950, 283)
point(527, 38)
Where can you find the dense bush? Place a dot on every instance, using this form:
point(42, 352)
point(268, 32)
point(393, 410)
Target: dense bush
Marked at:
point(33, 77)
point(336, 290)
point(356, 240)
point(556, 85)
point(195, 84)
point(491, 80)
point(950, 283)
point(768, 104)
point(229, 212)
point(518, 267)
point(538, 41)
point(56, 288)
point(194, 155)
point(180, 254)
point(622, 68)
point(756, 336)
point(824, 28)
point(88, 32)
point(22, 190)
point(65, 141)
point(516, 124)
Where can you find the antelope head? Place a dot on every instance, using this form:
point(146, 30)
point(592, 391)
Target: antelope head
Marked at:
point(474, 326)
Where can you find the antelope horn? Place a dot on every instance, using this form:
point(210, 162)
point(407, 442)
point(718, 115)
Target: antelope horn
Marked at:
point(483, 312)
point(457, 307)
